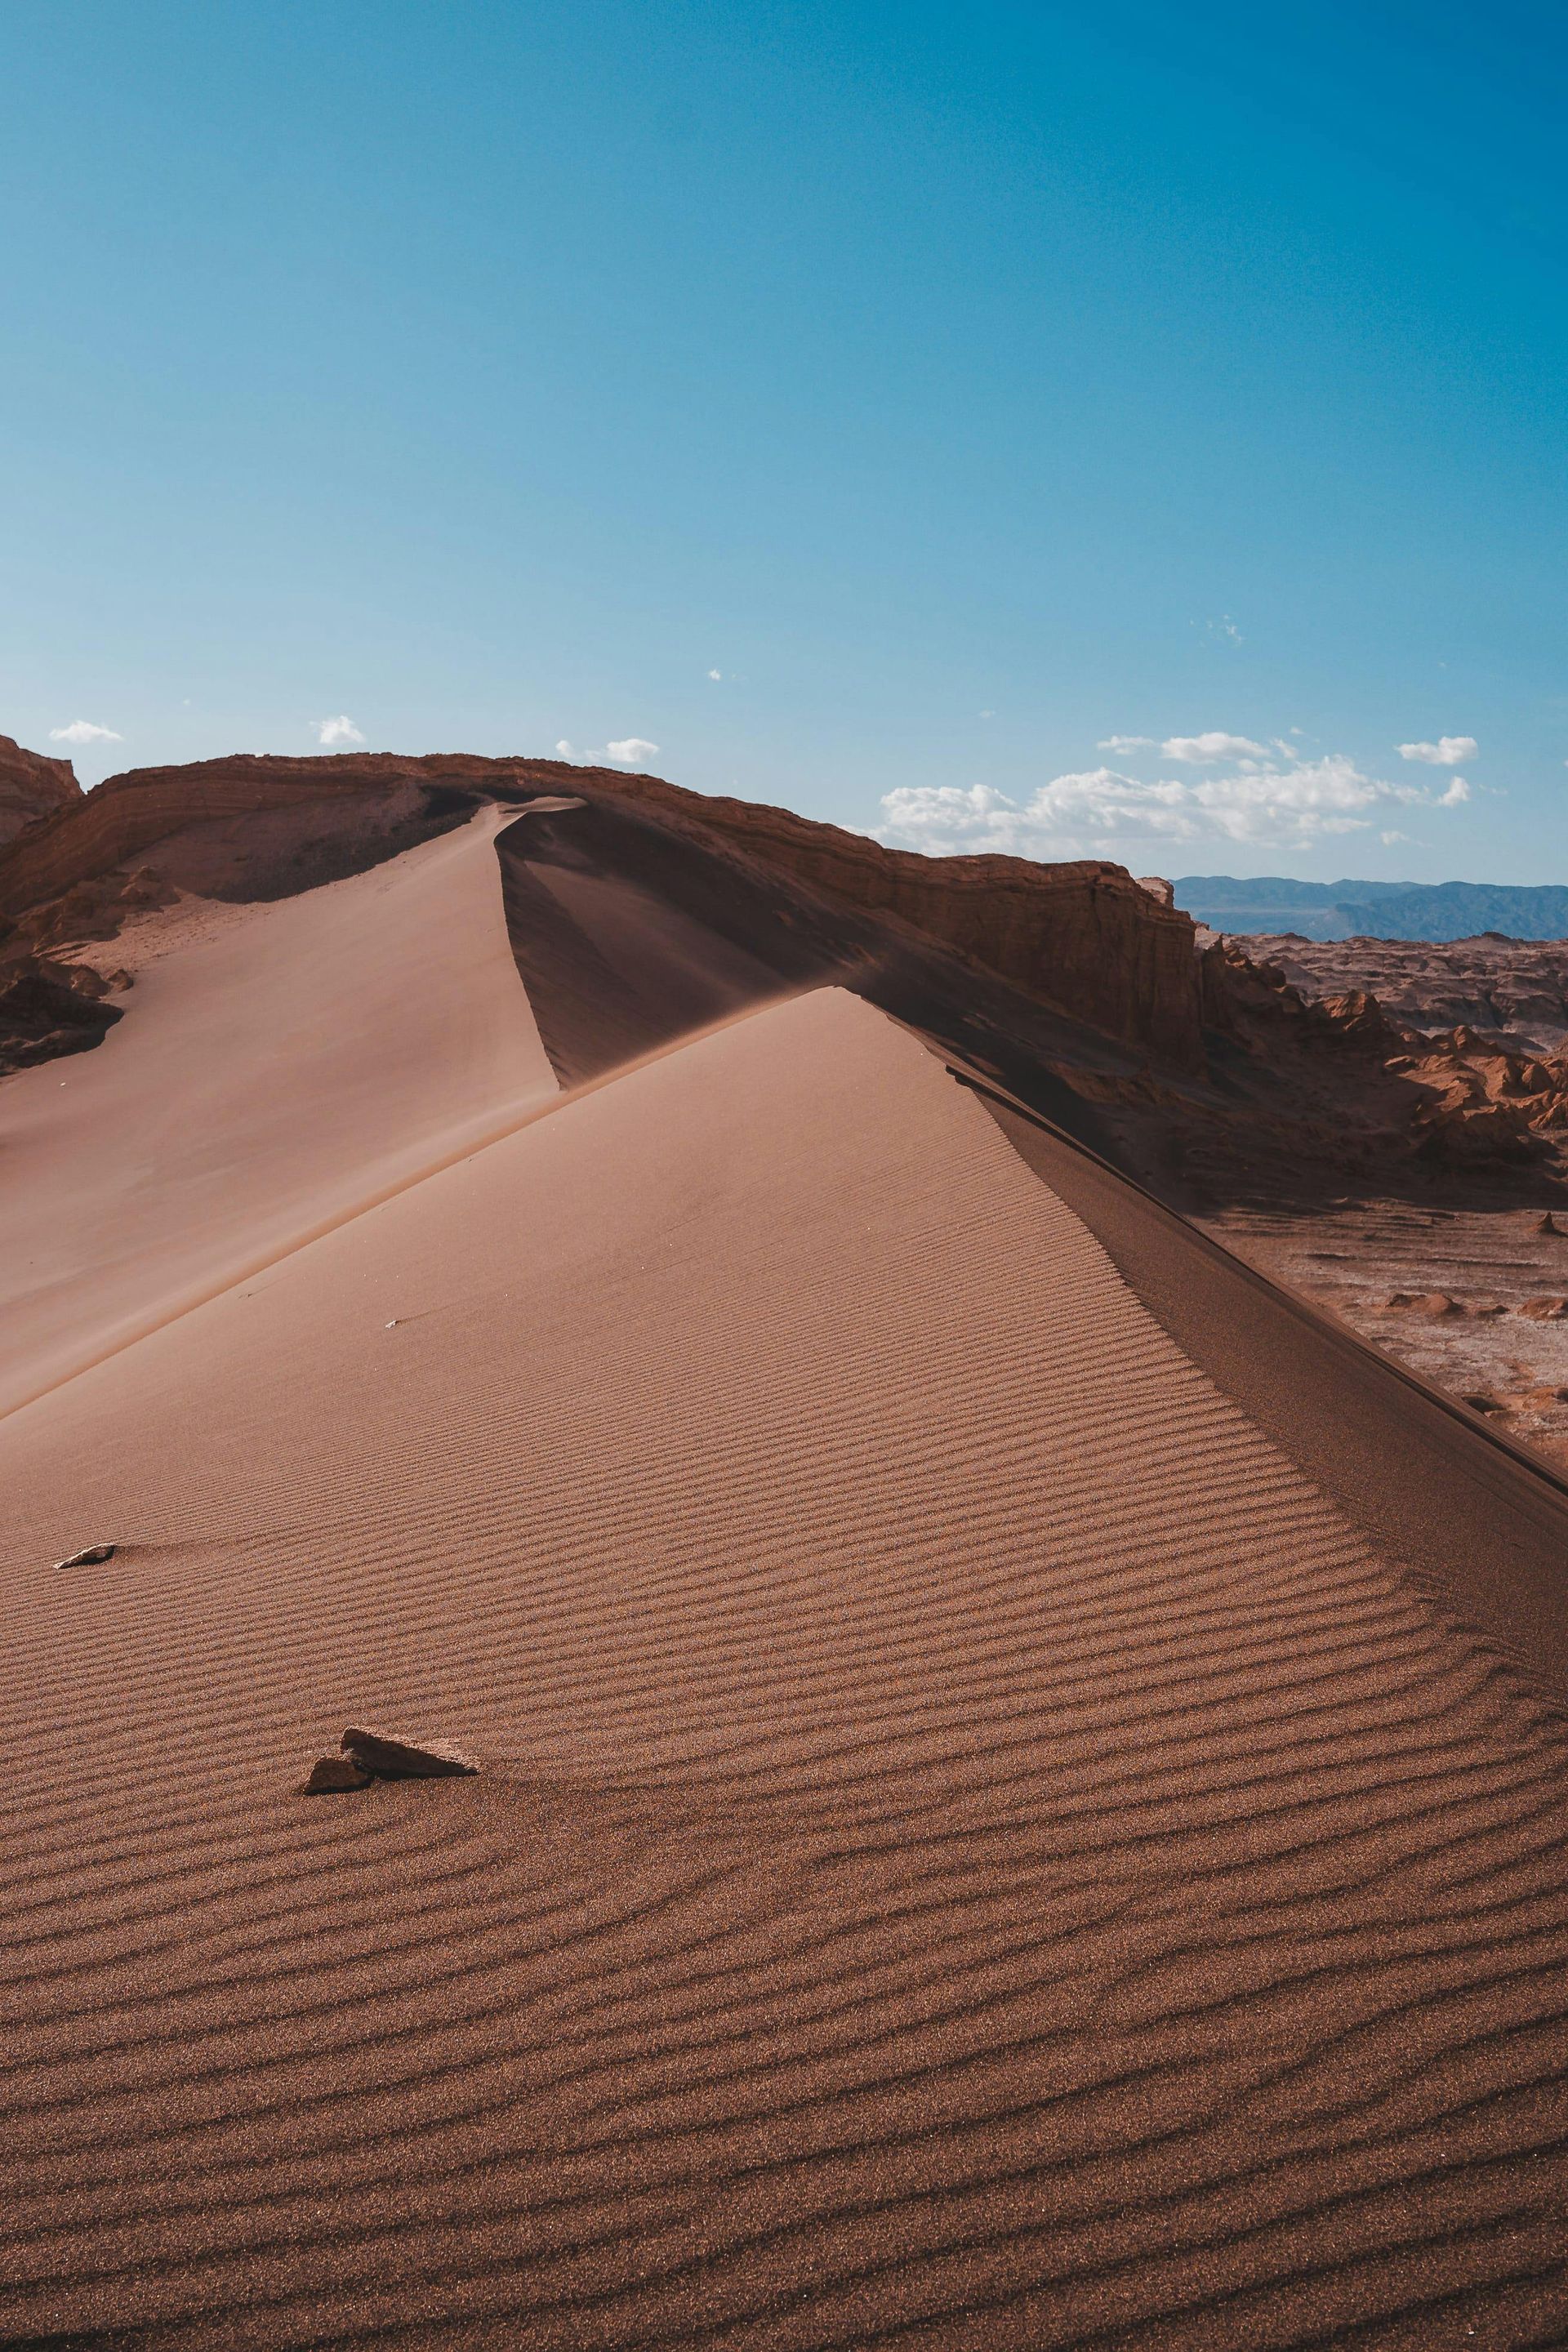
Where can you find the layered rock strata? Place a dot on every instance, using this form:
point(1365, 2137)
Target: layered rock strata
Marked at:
point(31, 786)
point(1084, 936)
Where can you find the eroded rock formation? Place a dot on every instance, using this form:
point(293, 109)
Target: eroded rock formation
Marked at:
point(1086, 935)
point(31, 786)
point(127, 814)
point(49, 1009)
point(1514, 991)
point(1224, 1059)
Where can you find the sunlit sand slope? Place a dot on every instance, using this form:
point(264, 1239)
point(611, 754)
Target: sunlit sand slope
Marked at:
point(973, 1849)
point(278, 1065)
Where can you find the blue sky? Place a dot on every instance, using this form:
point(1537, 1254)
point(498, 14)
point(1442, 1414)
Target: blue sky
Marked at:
point(1109, 431)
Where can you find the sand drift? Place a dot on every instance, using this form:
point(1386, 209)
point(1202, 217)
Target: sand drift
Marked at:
point(1020, 1777)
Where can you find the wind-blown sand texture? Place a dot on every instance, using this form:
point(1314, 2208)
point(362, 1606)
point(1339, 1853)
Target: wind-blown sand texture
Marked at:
point(974, 1846)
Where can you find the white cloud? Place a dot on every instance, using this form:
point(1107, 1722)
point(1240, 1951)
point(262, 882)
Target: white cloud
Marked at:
point(341, 729)
point(1203, 750)
point(1445, 752)
point(1278, 799)
point(715, 675)
point(82, 731)
point(1194, 750)
point(630, 752)
point(1388, 839)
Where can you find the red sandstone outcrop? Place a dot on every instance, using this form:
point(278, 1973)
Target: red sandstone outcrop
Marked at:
point(1087, 936)
point(1314, 1080)
point(31, 786)
point(1458, 1100)
point(49, 1009)
point(1515, 990)
point(128, 813)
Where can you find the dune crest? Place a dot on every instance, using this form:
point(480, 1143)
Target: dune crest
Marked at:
point(286, 1064)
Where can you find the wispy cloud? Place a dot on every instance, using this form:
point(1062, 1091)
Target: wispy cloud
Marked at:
point(341, 729)
point(82, 731)
point(1194, 750)
point(1203, 750)
point(1447, 752)
point(1262, 798)
point(630, 752)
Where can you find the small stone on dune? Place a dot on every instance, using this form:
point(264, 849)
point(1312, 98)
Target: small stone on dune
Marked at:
point(89, 1558)
point(399, 1760)
point(330, 1774)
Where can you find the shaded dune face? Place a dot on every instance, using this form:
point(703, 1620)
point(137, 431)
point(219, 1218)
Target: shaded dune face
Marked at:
point(629, 936)
point(984, 1837)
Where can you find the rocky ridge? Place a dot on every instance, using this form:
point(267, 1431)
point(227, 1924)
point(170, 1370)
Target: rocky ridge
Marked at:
point(1220, 1071)
point(1085, 936)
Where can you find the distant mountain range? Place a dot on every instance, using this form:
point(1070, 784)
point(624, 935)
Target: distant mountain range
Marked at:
point(1383, 910)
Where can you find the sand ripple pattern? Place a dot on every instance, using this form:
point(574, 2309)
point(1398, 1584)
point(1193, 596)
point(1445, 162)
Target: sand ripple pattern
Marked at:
point(974, 1851)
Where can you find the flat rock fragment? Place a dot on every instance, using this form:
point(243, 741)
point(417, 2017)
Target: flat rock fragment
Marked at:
point(90, 1557)
point(332, 1774)
point(400, 1759)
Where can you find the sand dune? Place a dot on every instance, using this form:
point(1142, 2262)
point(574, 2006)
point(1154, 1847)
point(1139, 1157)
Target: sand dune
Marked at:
point(976, 1845)
point(285, 1063)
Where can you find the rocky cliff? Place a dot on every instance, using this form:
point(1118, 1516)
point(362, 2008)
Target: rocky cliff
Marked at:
point(1086, 935)
point(97, 831)
point(1231, 1074)
point(31, 786)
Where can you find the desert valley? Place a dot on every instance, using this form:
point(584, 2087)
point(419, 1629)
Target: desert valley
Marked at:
point(957, 1491)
